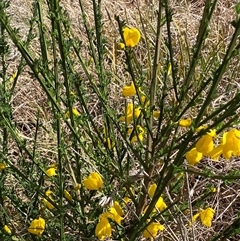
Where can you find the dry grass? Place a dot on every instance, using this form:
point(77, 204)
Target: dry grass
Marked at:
point(29, 101)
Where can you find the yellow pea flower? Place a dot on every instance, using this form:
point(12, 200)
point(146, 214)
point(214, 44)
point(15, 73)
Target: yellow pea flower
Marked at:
point(216, 152)
point(213, 189)
point(194, 218)
point(205, 144)
point(156, 114)
point(7, 229)
point(152, 189)
point(74, 111)
point(137, 112)
point(13, 77)
point(206, 216)
point(121, 46)
point(161, 205)
point(51, 172)
point(193, 156)
point(46, 202)
point(103, 229)
point(2, 166)
point(231, 143)
point(114, 215)
point(185, 122)
point(37, 226)
point(108, 143)
point(131, 36)
point(54, 165)
point(77, 187)
point(129, 91)
point(127, 198)
point(128, 115)
point(139, 136)
point(93, 181)
point(67, 195)
point(203, 127)
point(118, 208)
point(152, 230)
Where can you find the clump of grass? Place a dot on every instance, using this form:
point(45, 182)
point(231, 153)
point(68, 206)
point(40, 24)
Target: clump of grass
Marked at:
point(134, 134)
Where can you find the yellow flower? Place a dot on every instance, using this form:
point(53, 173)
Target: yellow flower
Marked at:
point(118, 208)
point(74, 111)
point(7, 229)
point(169, 71)
point(127, 198)
point(152, 189)
point(156, 114)
point(193, 156)
point(46, 202)
point(54, 165)
point(93, 181)
point(152, 230)
point(139, 136)
point(2, 166)
point(194, 218)
point(128, 115)
point(206, 216)
point(185, 122)
point(72, 94)
point(129, 91)
point(216, 152)
point(121, 46)
point(131, 36)
point(137, 112)
point(231, 143)
point(113, 214)
point(205, 144)
point(51, 172)
point(77, 187)
point(68, 196)
point(161, 205)
point(213, 189)
point(13, 77)
point(203, 127)
point(108, 143)
point(37, 226)
point(103, 229)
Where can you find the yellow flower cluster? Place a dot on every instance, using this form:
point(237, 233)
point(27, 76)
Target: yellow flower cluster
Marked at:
point(48, 204)
point(131, 113)
point(160, 204)
point(229, 146)
point(152, 229)
point(103, 229)
point(75, 112)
